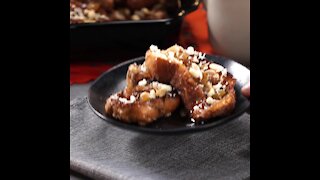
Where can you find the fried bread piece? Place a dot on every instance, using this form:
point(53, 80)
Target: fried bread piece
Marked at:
point(206, 88)
point(143, 100)
point(135, 74)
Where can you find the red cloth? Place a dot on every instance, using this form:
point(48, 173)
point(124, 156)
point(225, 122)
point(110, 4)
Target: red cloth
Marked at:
point(194, 32)
point(83, 73)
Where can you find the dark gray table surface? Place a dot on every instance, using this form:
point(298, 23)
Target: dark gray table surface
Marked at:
point(78, 90)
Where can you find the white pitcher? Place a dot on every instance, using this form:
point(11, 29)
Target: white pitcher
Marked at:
point(229, 28)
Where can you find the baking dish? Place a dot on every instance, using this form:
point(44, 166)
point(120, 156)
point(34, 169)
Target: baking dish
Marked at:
point(121, 40)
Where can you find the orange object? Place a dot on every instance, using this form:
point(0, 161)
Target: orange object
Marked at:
point(195, 31)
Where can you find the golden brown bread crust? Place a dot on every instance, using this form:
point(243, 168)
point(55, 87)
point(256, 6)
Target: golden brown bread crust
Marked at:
point(193, 91)
point(222, 107)
point(135, 73)
point(187, 87)
point(141, 112)
point(175, 74)
point(159, 68)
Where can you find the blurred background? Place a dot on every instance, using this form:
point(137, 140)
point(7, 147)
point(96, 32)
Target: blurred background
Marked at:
point(106, 32)
point(96, 45)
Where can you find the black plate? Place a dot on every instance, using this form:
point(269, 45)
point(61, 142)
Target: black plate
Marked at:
point(113, 81)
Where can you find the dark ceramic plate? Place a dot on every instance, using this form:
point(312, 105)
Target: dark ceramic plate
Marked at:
point(113, 81)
